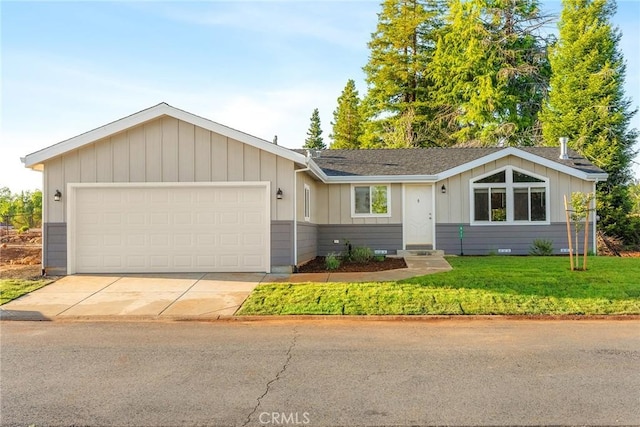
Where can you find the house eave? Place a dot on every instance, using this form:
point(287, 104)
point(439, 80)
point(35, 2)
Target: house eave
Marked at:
point(375, 179)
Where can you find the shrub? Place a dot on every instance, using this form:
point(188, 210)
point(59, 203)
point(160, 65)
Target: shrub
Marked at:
point(379, 258)
point(541, 247)
point(331, 261)
point(23, 229)
point(361, 254)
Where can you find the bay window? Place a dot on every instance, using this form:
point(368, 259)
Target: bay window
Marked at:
point(509, 196)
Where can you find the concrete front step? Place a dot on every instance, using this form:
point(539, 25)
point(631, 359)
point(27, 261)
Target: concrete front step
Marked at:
point(420, 252)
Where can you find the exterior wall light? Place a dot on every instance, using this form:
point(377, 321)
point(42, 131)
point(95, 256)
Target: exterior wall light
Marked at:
point(279, 194)
point(57, 196)
point(443, 189)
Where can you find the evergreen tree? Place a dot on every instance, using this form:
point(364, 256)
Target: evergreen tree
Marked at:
point(490, 71)
point(347, 119)
point(400, 50)
point(587, 103)
point(314, 134)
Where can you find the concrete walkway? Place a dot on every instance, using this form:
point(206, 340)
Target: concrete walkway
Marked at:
point(204, 296)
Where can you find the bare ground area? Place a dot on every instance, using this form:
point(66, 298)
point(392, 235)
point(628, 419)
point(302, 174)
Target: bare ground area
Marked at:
point(317, 265)
point(20, 254)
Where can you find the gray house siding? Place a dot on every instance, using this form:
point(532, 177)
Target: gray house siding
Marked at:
point(307, 242)
point(485, 240)
point(54, 248)
point(374, 236)
point(281, 243)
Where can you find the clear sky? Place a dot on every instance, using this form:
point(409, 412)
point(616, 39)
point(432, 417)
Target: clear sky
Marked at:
point(260, 67)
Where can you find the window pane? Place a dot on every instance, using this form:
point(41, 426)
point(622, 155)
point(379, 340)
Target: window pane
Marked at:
point(498, 204)
point(307, 202)
point(520, 177)
point(481, 204)
point(521, 204)
point(362, 200)
point(538, 204)
point(379, 202)
point(499, 177)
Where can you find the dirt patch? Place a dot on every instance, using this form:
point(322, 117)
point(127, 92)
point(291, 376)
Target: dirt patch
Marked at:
point(24, 272)
point(20, 254)
point(317, 265)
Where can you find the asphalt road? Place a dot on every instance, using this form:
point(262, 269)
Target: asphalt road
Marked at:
point(331, 372)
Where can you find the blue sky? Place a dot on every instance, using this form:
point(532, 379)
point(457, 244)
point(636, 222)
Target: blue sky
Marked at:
point(260, 67)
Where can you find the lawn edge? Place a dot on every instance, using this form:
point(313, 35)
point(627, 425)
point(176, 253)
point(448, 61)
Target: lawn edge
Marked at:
point(431, 318)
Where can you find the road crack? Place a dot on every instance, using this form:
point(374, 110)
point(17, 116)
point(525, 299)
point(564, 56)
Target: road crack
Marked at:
point(276, 378)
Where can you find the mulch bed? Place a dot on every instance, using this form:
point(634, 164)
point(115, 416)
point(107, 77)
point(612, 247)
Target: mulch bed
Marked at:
point(317, 265)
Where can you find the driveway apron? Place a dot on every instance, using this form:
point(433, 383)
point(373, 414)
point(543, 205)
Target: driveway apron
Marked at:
point(203, 296)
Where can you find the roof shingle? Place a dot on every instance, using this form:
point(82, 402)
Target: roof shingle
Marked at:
point(425, 161)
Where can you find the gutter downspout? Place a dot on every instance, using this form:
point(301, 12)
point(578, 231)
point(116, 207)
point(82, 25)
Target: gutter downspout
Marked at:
point(295, 212)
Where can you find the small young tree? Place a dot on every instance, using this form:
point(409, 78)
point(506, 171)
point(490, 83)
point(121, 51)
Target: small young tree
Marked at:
point(579, 216)
point(314, 134)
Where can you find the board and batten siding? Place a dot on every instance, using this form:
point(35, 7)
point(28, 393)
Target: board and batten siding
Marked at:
point(453, 207)
point(167, 150)
point(333, 206)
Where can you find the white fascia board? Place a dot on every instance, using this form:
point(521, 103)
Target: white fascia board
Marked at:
point(316, 170)
point(381, 179)
point(512, 151)
point(157, 111)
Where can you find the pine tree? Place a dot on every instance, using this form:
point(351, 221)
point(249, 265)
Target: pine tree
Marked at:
point(400, 50)
point(587, 103)
point(490, 71)
point(314, 139)
point(347, 119)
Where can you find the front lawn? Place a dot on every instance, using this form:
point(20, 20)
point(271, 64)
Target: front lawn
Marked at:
point(476, 285)
point(11, 289)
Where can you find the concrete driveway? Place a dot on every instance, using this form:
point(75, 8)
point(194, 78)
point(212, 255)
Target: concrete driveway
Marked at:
point(202, 295)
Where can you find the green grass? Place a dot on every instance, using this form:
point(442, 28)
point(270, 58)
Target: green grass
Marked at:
point(476, 285)
point(11, 289)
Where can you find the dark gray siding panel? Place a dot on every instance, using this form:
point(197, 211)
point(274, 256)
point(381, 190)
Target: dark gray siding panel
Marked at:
point(484, 240)
point(54, 248)
point(281, 243)
point(307, 242)
point(374, 236)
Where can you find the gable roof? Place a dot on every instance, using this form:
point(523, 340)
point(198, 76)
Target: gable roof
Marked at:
point(433, 164)
point(34, 160)
point(344, 166)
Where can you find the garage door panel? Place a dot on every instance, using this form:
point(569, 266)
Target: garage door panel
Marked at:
point(164, 229)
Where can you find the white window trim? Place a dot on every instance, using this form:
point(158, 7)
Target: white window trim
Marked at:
point(370, 214)
point(509, 185)
point(307, 203)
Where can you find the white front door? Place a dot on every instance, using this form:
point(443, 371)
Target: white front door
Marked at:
point(418, 215)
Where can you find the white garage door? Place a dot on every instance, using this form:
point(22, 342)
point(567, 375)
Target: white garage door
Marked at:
point(169, 228)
